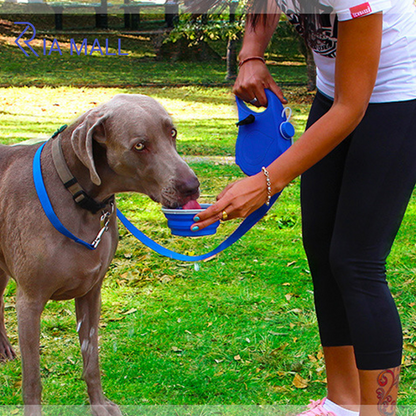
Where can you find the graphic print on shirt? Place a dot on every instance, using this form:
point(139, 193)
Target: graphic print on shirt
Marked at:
point(314, 22)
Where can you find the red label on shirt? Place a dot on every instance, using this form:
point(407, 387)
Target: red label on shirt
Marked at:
point(360, 10)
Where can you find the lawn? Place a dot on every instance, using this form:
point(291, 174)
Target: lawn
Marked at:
point(237, 330)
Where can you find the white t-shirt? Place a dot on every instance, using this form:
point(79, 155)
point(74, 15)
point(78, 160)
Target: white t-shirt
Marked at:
point(396, 78)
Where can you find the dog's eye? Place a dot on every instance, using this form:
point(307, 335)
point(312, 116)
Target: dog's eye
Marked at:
point(139, 147)
point(174, 133)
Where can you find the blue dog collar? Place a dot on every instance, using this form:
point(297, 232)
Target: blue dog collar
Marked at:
point(46, 203)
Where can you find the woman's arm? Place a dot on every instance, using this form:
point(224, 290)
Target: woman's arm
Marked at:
point(254, 76)
point(358, 54)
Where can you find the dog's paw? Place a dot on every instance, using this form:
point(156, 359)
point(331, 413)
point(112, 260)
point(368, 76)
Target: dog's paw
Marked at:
point(108, 408)
point(6, 350)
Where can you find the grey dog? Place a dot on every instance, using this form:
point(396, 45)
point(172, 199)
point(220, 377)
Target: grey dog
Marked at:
point(126, 144)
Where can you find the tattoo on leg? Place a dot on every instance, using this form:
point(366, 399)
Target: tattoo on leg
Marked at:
point(388, 380)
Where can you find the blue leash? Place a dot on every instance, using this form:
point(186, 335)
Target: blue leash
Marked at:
point(245, 226)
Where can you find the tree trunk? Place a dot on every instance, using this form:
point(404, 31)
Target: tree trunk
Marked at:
point(231, 59)
point(310, 69)
point(310, 64)
point(232, 46)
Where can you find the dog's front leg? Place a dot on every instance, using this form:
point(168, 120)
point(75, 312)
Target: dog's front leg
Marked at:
point(88, 314)
point(29, 311)
point(6, 350)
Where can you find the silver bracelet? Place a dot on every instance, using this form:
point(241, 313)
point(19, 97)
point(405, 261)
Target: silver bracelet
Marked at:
point(268, 184)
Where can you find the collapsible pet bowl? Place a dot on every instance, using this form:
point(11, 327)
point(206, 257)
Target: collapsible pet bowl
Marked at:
point(181, 220)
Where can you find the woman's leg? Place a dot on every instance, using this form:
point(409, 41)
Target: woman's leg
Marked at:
point(342, 377)
point(380, 173)
point(379, 391)
point(320, 189)
point(377, 180)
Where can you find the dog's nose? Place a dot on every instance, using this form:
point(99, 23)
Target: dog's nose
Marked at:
point(187, 186)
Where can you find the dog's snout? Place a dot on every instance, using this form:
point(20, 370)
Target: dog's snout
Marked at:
point(187, 186)
point(183, 187)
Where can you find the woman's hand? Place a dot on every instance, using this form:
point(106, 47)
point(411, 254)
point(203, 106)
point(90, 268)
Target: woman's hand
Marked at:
point(237, 200)
point(251, 82)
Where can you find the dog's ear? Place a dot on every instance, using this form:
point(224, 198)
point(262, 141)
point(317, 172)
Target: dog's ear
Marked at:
point(91, 128)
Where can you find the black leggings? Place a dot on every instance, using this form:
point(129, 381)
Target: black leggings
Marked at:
point(353, 202)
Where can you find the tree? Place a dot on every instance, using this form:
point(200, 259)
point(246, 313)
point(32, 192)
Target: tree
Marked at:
point(190, 38)
point(310, 63)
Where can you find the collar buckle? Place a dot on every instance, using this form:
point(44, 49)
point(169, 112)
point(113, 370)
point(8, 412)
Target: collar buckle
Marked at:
point(104, 221)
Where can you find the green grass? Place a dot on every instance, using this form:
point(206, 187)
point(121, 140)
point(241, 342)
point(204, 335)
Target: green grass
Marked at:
point(139, 68)
point(97, 70)
point(235, 332)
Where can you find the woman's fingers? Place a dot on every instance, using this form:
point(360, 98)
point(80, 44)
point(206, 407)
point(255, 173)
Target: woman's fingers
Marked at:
point(250, 83)
point(261, 93)
point(260, 97)
point(278, 92)
point(252, 79)
point(211, 215)
point(216, 211)
point(238, 201)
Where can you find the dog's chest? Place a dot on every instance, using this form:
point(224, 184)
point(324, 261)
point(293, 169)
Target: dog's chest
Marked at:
point(77, 280)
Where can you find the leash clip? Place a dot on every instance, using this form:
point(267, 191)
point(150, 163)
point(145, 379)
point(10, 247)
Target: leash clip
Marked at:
point(104, 222)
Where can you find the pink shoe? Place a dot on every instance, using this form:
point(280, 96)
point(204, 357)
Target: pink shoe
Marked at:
point(316, 408)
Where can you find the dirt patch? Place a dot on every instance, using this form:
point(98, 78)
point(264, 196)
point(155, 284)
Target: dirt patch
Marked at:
point(6, 28)
point(299, 95)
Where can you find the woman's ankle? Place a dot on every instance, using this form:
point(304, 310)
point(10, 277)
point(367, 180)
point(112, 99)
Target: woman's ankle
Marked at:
point(339, 410)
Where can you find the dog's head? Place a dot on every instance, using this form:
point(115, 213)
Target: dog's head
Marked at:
point(134, 137)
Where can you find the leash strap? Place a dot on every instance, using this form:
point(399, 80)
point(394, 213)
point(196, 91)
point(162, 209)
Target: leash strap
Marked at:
point(245, 226)
point(46, 203)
